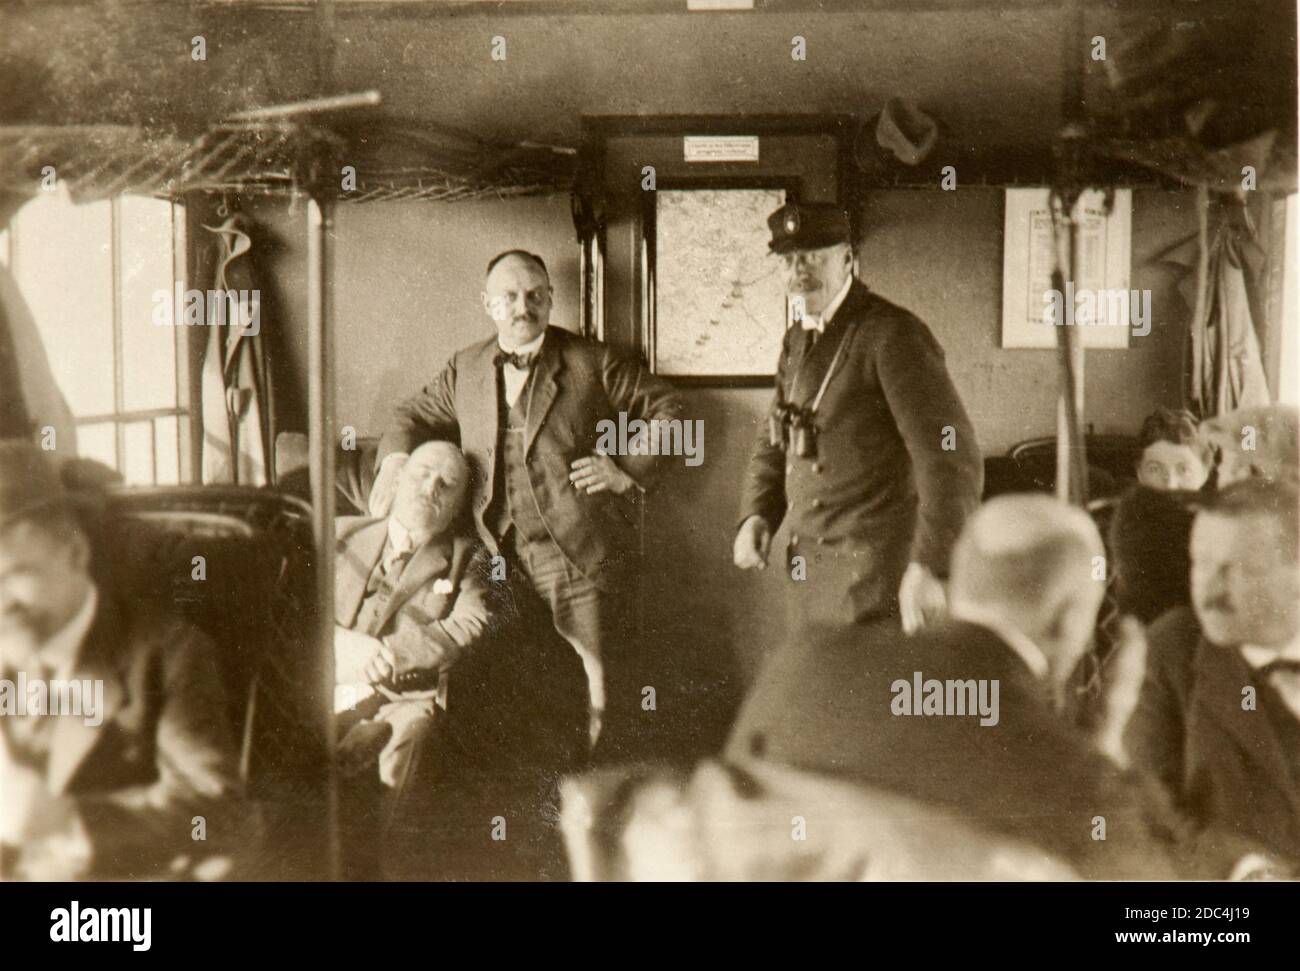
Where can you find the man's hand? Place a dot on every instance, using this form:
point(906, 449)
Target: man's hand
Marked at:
point(56, 845)
point(382, 668)
point(1122, 687)
point(753, 541)
point(385, 484)
point(354, 653)
point(599, 473)
point(921, 598)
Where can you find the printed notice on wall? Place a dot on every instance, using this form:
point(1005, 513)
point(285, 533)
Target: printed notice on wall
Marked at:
point(1099, 301)
point(721, 148)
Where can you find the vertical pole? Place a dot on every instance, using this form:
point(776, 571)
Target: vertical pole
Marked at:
point(1071, 453)
point(320, 425)
point(1071, 457)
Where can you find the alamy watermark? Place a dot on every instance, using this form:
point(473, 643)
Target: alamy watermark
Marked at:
point(241, 309)
point(82, 699)
point(658, 436)
point(1083, 307)
point(922, 696)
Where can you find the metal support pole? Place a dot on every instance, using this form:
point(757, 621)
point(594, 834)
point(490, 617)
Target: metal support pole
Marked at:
point(320, 426)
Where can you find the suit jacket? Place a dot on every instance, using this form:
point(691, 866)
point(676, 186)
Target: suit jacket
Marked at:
point(163, 753)
point(881, 472)
point(734, 822)
point(1149, 538)
point(576, 383)
point(428, 624)
point(1236, 772)
point(825, 705)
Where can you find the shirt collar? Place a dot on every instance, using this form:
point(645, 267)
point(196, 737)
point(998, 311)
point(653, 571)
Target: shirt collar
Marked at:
point(1025, 649)
point(1257, 656)
point(829, 313)
point(59, 653)
point(532, 345)
point(401, 538)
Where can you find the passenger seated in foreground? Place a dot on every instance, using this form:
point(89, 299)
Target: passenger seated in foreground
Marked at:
point(112, 786)
point(409, 601)
point(1218, 720)
point(965, 717)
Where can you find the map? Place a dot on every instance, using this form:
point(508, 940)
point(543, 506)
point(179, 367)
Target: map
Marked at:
point(720, 299)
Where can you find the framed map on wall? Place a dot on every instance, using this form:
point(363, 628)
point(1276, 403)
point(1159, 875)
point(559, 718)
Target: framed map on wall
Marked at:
point(718, 296)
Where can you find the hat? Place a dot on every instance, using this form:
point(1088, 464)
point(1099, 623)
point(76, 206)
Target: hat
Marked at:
point(29, 483)
point(796, 226)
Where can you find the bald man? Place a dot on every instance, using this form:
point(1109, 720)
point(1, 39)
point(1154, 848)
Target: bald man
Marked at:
point(966, 715)
point(410, 600)
point(526, 405)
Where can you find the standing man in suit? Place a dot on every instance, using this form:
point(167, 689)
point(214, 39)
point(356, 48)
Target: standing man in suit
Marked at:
point(989, 742)
point(410, 599)
point(867, 453)
point(112, 789)
point(1218, 720)
point(524, 405)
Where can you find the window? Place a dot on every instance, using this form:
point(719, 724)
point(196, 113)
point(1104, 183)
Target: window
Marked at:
point(92, 276)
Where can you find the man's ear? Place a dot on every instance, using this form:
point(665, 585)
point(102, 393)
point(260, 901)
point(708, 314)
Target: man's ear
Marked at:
point(487, 303)
point(79, 553)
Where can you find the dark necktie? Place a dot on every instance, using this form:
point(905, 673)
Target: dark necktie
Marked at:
point(521, 361)
point(1283, 675)
point(389, 569)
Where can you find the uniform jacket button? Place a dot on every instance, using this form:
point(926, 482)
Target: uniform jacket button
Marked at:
point(817, 467)
point(816, 503)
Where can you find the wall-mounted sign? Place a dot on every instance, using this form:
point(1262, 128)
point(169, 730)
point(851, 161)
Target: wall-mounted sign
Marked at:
point(1100, 302)
point(721, 148)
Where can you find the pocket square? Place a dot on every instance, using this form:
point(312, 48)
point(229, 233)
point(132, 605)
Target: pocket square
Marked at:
point(442, 586)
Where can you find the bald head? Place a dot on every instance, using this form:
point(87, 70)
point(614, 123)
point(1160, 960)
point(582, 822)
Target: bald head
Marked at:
point(1031, 561)
point(431, 488)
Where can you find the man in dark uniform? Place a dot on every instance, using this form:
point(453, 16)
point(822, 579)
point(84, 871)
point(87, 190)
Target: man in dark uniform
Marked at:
point(867, 452)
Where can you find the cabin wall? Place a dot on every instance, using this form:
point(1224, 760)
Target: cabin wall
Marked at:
point(407, 278)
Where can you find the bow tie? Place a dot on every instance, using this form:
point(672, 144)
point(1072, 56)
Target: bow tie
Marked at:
point(521, 362)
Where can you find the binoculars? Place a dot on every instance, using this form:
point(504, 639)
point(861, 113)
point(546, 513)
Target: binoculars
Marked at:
point(792, 428)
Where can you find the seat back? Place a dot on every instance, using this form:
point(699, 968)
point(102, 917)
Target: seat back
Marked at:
point(1111, 459)
point(237, 563)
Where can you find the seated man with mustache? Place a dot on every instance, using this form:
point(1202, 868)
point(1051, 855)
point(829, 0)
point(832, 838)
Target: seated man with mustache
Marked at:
point(1218, 718)
point(409, 601)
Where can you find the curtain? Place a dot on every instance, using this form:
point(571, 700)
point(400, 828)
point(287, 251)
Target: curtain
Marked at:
point(1221, 269)
point(236, 403)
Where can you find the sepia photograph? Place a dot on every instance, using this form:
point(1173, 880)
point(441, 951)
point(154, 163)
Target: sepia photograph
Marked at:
point(451, 442)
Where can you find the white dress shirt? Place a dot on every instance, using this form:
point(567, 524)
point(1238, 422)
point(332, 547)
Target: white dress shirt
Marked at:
point(401, 541)
point(819, 322)
point(515, 378)
point(1286, 683)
